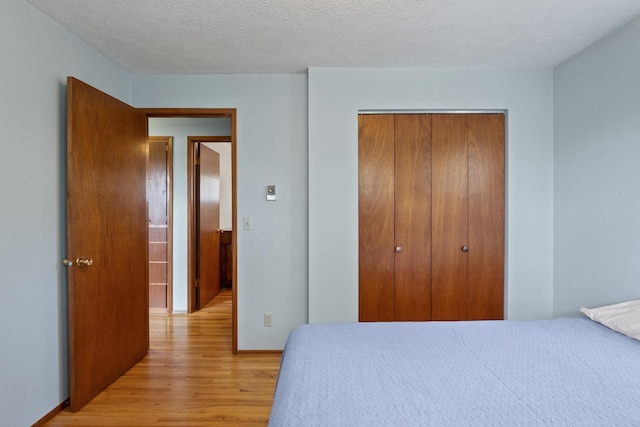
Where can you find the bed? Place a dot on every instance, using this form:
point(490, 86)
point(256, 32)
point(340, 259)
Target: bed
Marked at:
point(560, 372)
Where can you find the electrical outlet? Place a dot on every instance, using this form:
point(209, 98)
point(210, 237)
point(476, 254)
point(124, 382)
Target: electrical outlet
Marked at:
point(268, 320)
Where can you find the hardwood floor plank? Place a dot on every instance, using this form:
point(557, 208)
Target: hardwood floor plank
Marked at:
point(189, 378)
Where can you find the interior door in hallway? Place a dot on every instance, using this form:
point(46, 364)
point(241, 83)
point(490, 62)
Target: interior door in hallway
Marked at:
point(208, 223)
point(106, 239)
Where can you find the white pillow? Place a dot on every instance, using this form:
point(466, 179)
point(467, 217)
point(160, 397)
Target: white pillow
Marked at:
point(623, 317)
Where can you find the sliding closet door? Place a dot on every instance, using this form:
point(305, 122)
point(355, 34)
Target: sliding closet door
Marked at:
point(376, 217)
point(486, 216)
point(450, 217)
point(412, 217)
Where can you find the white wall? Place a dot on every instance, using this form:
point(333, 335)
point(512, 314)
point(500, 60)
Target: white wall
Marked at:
point(181, 128)
point(272, 149)
point(336, 95)
point(597, 174)
point(37, 56)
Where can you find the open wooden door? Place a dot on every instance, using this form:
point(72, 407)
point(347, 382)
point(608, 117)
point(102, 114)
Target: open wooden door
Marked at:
point(208, 223)
point(107, 239)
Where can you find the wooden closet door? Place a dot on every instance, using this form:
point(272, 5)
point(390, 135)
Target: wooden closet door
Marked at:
point(432, 188)
point(376, 217)
point(449, 216)
point(486, 216)
point(413, 217)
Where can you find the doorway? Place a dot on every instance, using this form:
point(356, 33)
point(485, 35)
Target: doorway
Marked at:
point(188, 122)
point(107, 235)
point(210, 222)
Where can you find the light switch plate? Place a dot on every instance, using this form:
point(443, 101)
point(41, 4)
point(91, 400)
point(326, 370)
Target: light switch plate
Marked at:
point(271, 193)
point(247, 223)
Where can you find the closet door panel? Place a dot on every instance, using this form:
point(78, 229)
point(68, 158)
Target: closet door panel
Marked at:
point(449, 216)
point(413, 217)
point(486, 216)
point(376, 217)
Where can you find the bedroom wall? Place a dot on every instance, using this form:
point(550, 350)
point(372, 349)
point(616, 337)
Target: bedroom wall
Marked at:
point(37, 56)
point(181, 128)
point(597, 174)
point(272, 150)
point(336, 95)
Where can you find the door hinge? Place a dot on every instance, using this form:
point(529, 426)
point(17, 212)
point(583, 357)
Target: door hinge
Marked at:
point(197, 283)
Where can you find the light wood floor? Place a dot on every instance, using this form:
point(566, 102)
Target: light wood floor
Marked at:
point(189, 378)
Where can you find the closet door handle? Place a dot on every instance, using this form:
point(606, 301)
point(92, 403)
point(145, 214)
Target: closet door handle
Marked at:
point(465, 249)
point(398, 249)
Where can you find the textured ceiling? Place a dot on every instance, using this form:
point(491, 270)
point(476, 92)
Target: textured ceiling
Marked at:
point(288, 36)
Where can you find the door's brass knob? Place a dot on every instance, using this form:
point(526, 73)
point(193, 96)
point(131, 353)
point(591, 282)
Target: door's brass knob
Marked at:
point(398, 248)
point(465, 249)
point(84, 262)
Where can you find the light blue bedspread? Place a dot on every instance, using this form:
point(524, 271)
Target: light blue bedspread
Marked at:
point(562, 372)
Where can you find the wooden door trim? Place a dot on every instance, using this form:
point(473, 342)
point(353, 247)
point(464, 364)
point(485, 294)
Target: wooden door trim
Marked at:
point(212, 113)
point(191, 112)
point(169, 141)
